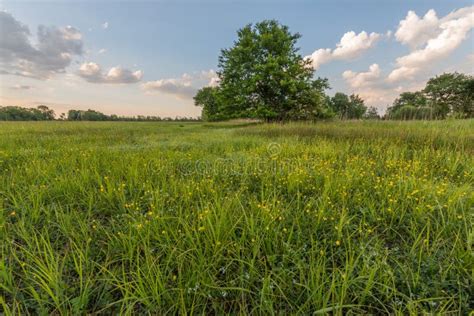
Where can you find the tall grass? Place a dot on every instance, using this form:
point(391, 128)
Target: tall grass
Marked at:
point(167, 218)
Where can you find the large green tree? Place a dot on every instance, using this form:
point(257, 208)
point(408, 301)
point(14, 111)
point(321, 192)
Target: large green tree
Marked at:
point(209, 99)
point(409, 106)
point(348, 107)
point(340, 104)
point(264, 76)
point(372, 114)
point(89, 115)
point(448, 94)
point(45, 113)
point(357, 107)
point(415, 99)
point(451, 93)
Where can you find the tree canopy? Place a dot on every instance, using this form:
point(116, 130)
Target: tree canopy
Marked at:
point(16, 113)
point(450, 94)
point(348, 107)
point(263, 76)
point(372, 114)
point(208, 98)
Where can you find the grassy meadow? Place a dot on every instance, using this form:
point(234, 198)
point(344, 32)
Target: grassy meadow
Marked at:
point(201, 218)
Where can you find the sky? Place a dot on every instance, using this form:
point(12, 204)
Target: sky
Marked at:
point(149, 58)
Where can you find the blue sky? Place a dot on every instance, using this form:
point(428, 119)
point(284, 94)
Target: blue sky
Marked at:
point(163, 51)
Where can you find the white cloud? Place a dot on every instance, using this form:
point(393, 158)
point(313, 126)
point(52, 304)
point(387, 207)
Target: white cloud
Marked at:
point(450, 32)
point(53, 52)
point(376, 91)
point(403, 72)
point(415, 31)
point(180, 87)
point(210, 76)
point(21, 87)
point(383, 97)
point(369, 86)
point(184, 87)
point(378, 97)
point(361, 79)
point(430, 39)
point(92, 72)
point(320, 56)
point(350, 46)
point(105, 25)
point(102, 51)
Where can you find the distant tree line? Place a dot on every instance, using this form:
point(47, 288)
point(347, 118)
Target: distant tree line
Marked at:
point(92, 115)
point(43, 113)
point(16, 113)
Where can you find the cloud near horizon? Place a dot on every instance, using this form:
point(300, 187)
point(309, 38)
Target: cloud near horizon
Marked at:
point(92, 72)
point(184, 87)
point(375, 89)
point(53, 53)
point(21, 87)
point(362, 79)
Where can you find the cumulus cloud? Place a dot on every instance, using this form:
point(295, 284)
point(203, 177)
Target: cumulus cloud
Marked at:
point(362, 79)
point(379, 97)
point(184, 87)
point(438, 41)
point(21, 87)
point(370, 87)
point(430, 39)
point(53, 52)
point(350, 46)
point(180, 87)
point(415, 31)
point(403, 72)
point(92, 72)
point(375, 90)
point(105, 25)
point(210, 76)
